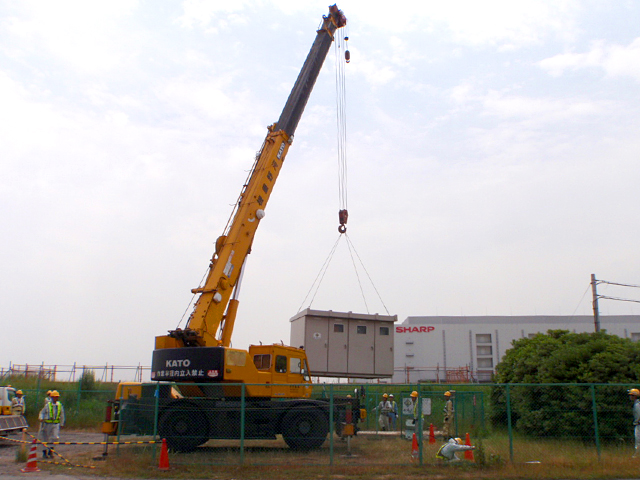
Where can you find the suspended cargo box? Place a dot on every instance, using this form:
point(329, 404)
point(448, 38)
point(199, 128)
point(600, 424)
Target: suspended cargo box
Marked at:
point(338, 344)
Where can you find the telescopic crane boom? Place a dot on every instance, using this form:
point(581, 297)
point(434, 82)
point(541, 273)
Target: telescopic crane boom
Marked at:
point(212, 320)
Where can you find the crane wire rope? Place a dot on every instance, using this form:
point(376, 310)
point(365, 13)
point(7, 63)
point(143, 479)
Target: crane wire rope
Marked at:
point(341, 114)
point(341, 119)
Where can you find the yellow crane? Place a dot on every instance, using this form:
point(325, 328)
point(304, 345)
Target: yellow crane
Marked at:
point(212, 382)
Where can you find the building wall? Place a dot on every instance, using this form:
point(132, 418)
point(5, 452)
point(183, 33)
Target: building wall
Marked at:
point(444, 348)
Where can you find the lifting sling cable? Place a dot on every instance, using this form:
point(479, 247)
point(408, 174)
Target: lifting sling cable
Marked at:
point(351, 246)
point(341, 114)
point(318, 280)
point(315, 287)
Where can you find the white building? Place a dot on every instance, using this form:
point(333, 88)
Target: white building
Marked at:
point(461, 349)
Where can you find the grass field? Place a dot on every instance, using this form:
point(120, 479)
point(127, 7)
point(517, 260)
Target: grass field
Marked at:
point(372, 457)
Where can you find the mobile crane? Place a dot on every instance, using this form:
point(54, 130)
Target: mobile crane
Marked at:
point(11, 418)
point(216, 391)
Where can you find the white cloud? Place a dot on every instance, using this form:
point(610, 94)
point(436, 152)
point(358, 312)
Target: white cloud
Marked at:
point(545, 109)
point(615, 60)
point(88, 36)
point(502, 23)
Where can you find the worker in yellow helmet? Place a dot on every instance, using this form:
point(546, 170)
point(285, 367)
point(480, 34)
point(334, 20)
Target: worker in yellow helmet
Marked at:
point(634, 396)
point(383, 409)
point(18, 406)
point(447, 413)
point(416, 415)
point(52, 418)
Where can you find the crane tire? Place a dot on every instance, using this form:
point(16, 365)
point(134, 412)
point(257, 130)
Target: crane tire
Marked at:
point(185, 427)
point(304, 428)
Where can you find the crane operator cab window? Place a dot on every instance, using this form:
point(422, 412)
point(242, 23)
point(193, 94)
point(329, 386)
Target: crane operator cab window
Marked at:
point(299, 366)
point(262, 362)
point(281, 364)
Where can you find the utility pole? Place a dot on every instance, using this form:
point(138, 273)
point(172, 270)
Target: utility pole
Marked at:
point(596, 313)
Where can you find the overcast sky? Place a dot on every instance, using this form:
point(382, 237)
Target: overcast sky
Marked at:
point(492, 149)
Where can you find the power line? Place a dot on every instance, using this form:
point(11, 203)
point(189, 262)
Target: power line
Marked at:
point(618, 284)
point(619, 299)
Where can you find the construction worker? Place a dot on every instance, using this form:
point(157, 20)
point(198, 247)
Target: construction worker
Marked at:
point(383, 409)
point(52, 418)
point(393, 413)
point(448, 451)
point(47, 399)
point(417, 416)
point(18, 406)
point(634, 396)
point(447, 424)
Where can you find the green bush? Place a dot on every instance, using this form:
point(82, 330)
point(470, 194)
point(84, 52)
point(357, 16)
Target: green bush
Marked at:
point(561, 357)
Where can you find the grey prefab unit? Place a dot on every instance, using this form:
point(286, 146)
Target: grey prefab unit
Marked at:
point(338, 344)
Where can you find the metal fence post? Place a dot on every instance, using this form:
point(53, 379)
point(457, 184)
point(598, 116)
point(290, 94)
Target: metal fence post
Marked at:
point(420, 423)
point(509, 426)
point(243, 406)
point(156, 408)
point(331, 408)
point(79, 391)
point(455, 410)
point(595, 418)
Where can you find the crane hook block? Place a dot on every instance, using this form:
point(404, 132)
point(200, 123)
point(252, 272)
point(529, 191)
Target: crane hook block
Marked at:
point(347, 56)
point(343, 216)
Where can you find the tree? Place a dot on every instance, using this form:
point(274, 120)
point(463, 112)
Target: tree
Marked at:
point(572, 360)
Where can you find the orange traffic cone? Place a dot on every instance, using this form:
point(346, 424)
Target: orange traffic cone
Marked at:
point(468, 454)
point(164, 456)
point(432, 434)
point(32, 463)
point(414, 447)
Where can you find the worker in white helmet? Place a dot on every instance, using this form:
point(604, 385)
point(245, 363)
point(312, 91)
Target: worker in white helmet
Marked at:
point(393, 413)
point(634, 396)
point(448, 451)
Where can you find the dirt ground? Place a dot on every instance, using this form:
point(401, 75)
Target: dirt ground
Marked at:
point(9, 449)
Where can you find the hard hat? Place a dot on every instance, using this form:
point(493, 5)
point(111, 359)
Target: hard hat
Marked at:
point(391, 395)
point(414, 394)
point(48, 393)
point(348, 396)
point(55, 393)
point(459, 441)
point(447, 393)
point(634, 391)
point(18, 392)
point(384, 395)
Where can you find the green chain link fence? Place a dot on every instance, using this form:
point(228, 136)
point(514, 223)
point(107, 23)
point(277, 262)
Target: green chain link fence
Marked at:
point(517, 423)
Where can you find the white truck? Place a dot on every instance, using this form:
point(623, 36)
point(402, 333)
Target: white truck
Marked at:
point(10, 420)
